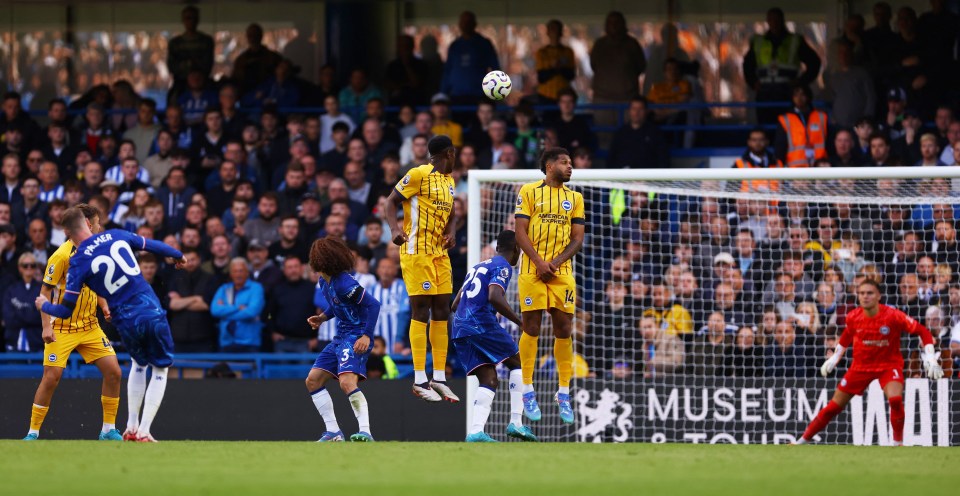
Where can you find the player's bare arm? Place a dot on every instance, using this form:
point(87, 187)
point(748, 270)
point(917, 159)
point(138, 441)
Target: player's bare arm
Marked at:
point(498, 300)
point(545, 271)
point(46, 291)
point(449, 233)
point(361, 345)
point(105, 308)
point(572, 248)
point(395, 201)
point(316, 320)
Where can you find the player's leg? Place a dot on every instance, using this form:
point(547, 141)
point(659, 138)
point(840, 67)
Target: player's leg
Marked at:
point(350, 385)
point(157, 340)
point(824, 416)
point(487, 377)
point(892, 384)
point(420, 306)
point(136, 388)
point(57, 353)
point(110, 396)
point(563, 354)
point(316, 386)
point(516, 428)
point(439, 341)
point(528, 361)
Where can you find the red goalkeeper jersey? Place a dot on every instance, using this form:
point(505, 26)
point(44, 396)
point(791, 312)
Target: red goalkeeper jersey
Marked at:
point(876, 340)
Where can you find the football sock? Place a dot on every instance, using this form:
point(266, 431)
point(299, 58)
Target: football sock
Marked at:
point(897, 417)
point(516, 397)
point(563, 353)
point(822, 419)
point(563, 390)
point(151, 403)
point(438, 343)
point(418, 348)
point(36, 417)
point(136, 387)
point(110, 406)
point(528, 356)
point(323, 402)
point(527, 388)
point(359, 403)
point(481, 409)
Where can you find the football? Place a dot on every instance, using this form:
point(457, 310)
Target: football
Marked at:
point(497, 85)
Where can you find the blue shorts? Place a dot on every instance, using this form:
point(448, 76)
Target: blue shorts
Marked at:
point(338, 358)
point(489, 348)
point(144, 331)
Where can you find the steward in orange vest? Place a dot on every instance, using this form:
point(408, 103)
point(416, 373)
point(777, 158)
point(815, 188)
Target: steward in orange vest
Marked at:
point(802, 134)
point(757, 156)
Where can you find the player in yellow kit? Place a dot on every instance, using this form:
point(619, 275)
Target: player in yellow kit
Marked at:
point(426, 194)
point(81, 332)
point(550, 224)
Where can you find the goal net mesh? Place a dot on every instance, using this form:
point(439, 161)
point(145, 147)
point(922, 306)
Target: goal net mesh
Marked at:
point(705, 308)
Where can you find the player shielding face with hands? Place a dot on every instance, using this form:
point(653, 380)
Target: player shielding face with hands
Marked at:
point(426, 195)
point(345, 357)
point(550, 224)
point(874, 331)
point(481, 343)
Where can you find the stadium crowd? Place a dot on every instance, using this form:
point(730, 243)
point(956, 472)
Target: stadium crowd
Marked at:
point(695, 285)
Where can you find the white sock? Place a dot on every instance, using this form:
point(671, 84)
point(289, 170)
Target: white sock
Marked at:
point(563, 390)
point(419, 376)
point(359, 403)
point(136, 387)
point(151, 403)
point(527, 388)
point(323, 402)
point(516, 397)
point(34, 431)
point(481, 409)
point(107, 428)
point(440, 375)
point(800, 440)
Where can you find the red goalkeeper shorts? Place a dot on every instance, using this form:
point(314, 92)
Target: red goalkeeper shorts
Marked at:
point(856, 381)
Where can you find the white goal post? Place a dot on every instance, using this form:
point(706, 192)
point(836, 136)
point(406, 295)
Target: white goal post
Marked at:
point(658, 408)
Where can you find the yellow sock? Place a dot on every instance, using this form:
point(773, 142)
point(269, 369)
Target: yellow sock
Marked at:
point(563, 353)
point(439, 340)
point(36, 418)
point(418, 344)
point(109, 409)
point(528, 356)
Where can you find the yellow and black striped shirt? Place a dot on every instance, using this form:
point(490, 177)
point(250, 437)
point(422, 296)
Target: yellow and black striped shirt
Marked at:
point(84, 316)
point(427, 209)
point(552, 212)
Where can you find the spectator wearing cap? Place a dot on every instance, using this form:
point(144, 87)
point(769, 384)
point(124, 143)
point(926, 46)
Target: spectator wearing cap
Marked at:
point(30, 207)
point(311, 222)
point(190, 293)
point(20, 315)
point(289, 304)
point(469, 58)
point(290, 244)
point(892, 122)
point(638, 144)
point(801, 136)
point(440, 108)
point(573, 131)
point(423, 126)
point(929, 151)
point(262, 269)
point(850, 88)
point(238, 304)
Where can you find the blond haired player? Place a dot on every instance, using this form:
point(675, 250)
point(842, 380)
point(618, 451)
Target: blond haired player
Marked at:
point(426, 194)
point(80, 332)
point(550, 224)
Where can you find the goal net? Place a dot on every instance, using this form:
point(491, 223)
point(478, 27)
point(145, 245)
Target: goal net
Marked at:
point(707, 299)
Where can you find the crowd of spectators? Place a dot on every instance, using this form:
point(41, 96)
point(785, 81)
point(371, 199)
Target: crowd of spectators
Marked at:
point(738, 287)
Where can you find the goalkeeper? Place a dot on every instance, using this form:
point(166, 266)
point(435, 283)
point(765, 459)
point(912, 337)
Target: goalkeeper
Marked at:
point(874, 330)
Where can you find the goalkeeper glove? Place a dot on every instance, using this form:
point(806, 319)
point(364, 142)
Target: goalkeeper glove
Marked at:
point(831, 362)
point(931, 363)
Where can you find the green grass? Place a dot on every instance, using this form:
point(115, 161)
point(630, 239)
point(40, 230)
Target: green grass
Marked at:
point(456, 469)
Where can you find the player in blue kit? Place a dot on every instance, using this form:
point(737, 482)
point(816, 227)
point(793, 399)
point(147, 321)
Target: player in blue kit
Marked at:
point(107, 265)
point(345, 358)
point(480, 343)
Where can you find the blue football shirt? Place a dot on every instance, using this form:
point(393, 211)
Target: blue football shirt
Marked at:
point(474, 313)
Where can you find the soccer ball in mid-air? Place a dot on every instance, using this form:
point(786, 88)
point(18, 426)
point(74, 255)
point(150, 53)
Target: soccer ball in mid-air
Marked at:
point(497, 85)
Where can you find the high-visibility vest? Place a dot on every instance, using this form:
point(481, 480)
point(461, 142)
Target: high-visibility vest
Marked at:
point(759, 185)
point(780, 67)
point(801, 138)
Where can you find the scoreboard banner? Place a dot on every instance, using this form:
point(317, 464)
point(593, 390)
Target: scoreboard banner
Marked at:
point(756, 411)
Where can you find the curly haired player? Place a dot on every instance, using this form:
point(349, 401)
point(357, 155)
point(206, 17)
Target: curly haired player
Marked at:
point(345, 358)
point(874, 331)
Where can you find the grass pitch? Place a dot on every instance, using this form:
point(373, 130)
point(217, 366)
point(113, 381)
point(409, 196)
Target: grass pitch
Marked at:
point(234, 468)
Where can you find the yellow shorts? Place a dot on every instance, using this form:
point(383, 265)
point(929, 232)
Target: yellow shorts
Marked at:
point(559, 293)
point(92, 346)
point(426, 274)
